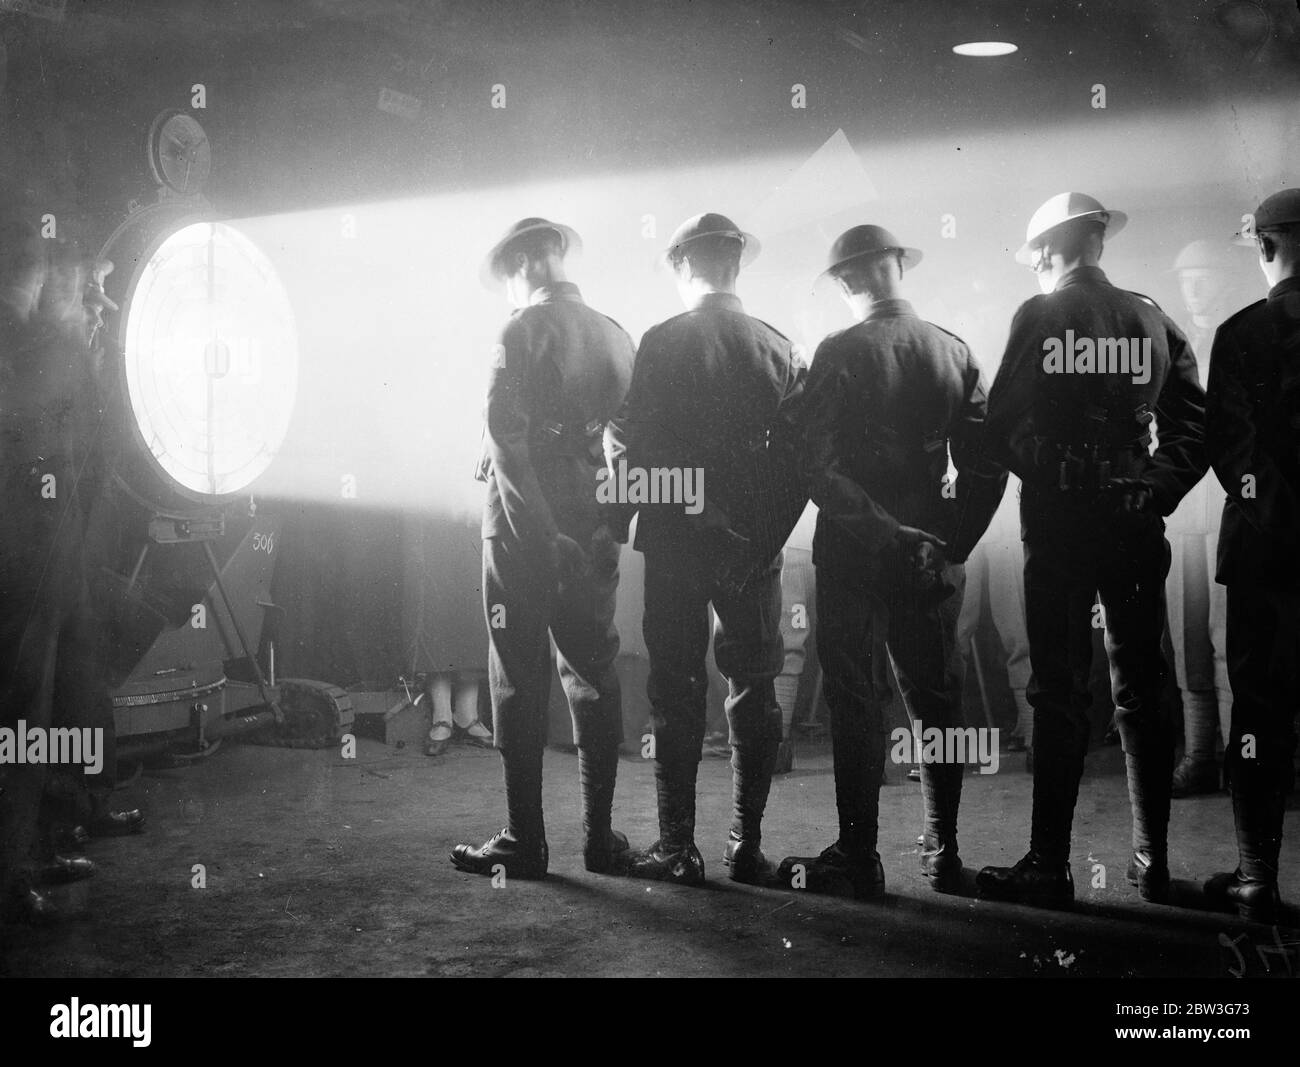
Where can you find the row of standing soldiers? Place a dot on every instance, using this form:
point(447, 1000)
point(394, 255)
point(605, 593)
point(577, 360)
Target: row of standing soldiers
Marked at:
point(1104, 453)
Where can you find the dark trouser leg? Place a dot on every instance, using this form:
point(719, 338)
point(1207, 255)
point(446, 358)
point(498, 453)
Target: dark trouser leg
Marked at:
point(1264, 668)
point(81, 702)
point(923, 641)
point(587, 641)
point(1131, 585)
point(519, 671)
point(676, 629)
point(25, 694)
point(1059, 594)
point(40, 573)
point(749, 653)
point(675, 782)
point(850, 646)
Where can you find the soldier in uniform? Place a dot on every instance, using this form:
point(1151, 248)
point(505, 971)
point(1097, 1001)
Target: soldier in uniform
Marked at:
point(550, 570)
point(1087, 366)
point(1197, 604)
point(1252, 429)
point(713, 396)
point(885, 401)
point(47, 387)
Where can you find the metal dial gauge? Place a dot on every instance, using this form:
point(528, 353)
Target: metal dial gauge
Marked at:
point(180, 156)
point(210, 356)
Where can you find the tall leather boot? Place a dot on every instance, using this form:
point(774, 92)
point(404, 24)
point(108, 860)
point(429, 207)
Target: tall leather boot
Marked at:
point(858, 756)
point(851, 866)
point(603, 847)
point(1257, 811)
point(1149, 779)
point(1042, 877)
point(674, 857)
point(752, 764)
point(941, 788)
point(520, 847)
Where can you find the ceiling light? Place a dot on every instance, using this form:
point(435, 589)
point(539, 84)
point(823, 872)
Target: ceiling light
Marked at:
point(985, 48)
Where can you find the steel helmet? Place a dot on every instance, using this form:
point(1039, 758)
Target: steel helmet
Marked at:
point(490, 271)
point(867, 241)
point(1202, 254)
point(1063, 208)
point(1276, 210)
point(711, 224)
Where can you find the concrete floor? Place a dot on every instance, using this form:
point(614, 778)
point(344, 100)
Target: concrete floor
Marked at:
point(320, 866)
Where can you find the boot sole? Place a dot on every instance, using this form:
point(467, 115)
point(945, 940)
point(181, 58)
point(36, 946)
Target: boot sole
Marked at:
point(524, 875)
point(651, 871)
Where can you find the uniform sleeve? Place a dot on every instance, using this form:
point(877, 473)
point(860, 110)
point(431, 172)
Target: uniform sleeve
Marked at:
point(838, 495)
point(507, 432)
point(629, 436)
point(980, 481)
point(789, 410)
point(789, 419)
point(1010, 400)
point(1233, 444)
point(1180, 460)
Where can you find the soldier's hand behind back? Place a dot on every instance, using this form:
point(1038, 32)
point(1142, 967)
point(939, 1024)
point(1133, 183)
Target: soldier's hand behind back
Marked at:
point(924, 547)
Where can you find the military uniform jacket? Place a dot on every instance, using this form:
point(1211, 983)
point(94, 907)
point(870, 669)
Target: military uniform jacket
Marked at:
point(560, 372)
point(1253, 438)
point(886, 400)
point(717, 391)
point(1033, 411)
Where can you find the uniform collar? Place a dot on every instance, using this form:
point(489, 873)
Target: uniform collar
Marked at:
point(719, 302)
point(548, 294)
point(1285, 286)
point(891, 308)
point(1094, 275)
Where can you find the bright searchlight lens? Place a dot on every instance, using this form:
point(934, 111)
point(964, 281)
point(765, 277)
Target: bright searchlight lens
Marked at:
point(211, 359)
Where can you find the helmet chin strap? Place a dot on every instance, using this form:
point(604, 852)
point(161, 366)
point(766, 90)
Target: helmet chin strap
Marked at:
point(1040, 260)
point(1041, 263)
